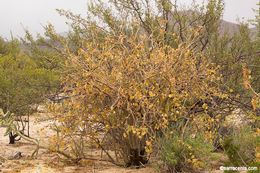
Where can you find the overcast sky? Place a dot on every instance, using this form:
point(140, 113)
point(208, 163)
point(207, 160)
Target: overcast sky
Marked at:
point(33, 14)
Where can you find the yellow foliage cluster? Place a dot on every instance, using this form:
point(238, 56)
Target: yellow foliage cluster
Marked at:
point(126, 89)
point(130, 86)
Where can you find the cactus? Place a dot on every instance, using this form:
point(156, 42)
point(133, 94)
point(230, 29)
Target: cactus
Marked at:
point(7, 121)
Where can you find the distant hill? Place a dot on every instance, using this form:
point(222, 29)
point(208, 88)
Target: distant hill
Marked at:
point(228, 27)
point(253, 32)
point(232, 28)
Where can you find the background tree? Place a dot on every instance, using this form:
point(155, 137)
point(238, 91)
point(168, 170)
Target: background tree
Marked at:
point(23, 85)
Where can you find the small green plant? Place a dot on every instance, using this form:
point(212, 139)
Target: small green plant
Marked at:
point(240, 147)
point(179, 154)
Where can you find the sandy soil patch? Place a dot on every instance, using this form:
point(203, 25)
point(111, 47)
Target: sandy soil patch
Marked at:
point(48, 162)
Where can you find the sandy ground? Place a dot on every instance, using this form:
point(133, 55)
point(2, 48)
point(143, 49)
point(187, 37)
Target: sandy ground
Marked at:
point(48, 162)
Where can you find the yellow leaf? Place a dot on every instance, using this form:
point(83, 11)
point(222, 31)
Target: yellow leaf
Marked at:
point(205, 106)
point(254, 102)
point(151, 94)
point(170, 95)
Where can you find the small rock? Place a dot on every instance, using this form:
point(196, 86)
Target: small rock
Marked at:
point(16, 156)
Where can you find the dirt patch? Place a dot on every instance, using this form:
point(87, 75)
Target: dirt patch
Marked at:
point(48, 162)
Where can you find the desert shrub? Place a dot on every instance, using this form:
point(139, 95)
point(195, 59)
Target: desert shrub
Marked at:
point(177, 154)
point(127, 81)
point(129, 96)
point(240, 147)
